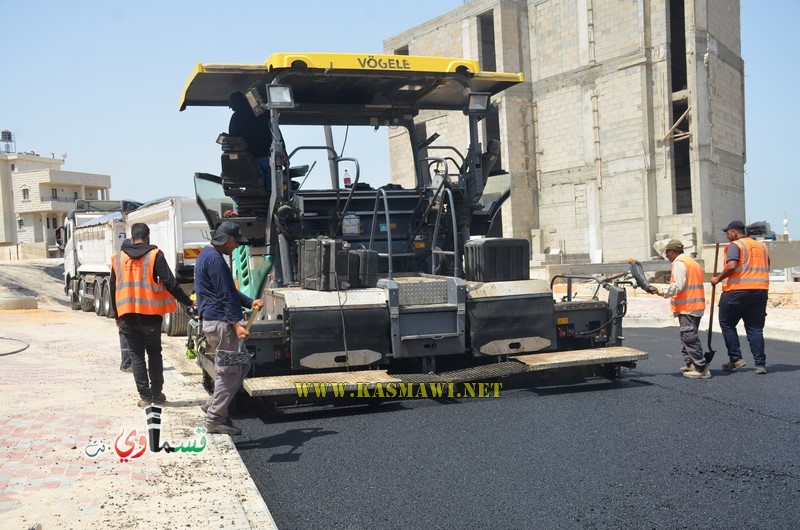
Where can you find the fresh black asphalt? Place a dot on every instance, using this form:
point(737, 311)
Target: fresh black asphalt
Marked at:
point(652, 450)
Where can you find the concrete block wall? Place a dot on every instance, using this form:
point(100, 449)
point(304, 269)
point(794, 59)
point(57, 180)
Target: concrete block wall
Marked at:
point(722, 20)
point(716, 72)
point(726, 103)
point(618, 28)
point(555, 38)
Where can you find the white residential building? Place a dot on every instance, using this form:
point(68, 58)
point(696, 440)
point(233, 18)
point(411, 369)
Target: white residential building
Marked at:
point(35, 196)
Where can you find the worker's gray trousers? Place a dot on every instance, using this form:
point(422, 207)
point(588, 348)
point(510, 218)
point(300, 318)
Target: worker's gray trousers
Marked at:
point(690, 340)
point(222, 337)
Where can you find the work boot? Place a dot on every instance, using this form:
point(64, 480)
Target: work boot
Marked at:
point(733, 365)
point(686, 367)
point(204, 408)
point(695, 372)
point(127, 370)
point(159, 398)
point(761, 369)
point(144, 402)
point(222, 428)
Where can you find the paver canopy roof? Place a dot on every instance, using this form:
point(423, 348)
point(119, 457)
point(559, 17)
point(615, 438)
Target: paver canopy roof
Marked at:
point(349, 88)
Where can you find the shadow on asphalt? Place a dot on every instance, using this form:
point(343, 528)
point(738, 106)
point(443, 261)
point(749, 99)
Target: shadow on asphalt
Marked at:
point(292, 438)
point(269, 413)
point(579, 386)
point(253, 409)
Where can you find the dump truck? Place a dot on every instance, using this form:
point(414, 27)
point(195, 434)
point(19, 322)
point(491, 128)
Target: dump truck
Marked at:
point(92, 233)
point(366, 285)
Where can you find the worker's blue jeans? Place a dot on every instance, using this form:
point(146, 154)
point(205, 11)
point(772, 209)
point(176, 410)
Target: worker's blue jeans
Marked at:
point(751, 307)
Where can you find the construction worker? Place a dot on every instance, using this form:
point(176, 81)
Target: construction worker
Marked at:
point(219, 305)
point(744, 296)
point(688, 303)
point(143, 290)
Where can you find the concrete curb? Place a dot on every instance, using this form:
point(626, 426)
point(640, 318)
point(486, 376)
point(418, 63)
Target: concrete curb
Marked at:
point(258, 499)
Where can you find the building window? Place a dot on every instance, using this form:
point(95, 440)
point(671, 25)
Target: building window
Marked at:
point(75, 195)
point(48, 222)
point(53, 193)
point(26, 194)
point(402, 51)
point(20, 223)
point(55, 222)
point(682, 160)
point(13, 167)
point(486, 45)
point(677, 34)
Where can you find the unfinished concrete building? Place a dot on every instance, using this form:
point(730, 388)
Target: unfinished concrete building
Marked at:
point(628, 129)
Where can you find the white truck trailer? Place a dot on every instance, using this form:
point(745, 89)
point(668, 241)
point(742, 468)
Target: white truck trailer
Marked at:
point(179, 230)
point(92, 234)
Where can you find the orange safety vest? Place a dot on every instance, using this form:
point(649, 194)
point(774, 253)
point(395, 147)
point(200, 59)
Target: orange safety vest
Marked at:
point(136, 292)
point(693, 296)
point(752, 271)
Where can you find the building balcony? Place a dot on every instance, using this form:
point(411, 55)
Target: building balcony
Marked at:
point(48, 204)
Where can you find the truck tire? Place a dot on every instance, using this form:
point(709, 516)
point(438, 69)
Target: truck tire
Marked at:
point(86, 302)
point(108, 310)
point(72, 296)
point(176, 323)
point(99, 288)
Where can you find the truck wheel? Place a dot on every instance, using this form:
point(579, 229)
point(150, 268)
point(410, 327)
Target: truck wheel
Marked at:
point(107, 309)
point(72, 296)
point(86, 303)
point(176, 323)
point(99, 287)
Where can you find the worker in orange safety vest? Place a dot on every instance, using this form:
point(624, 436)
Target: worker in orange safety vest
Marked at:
point(744, 296)
point(688, 303)
point(143, 290)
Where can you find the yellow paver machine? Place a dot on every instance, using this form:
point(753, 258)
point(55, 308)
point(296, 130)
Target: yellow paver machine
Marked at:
point(368, 284)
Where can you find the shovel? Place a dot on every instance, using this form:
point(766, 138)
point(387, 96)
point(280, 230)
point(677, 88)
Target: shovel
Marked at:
point(238, 357)
point(709, 355)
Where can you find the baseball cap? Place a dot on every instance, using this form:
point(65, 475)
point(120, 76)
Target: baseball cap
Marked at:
point(734, 225)
point(673, 244)
point(225, 230)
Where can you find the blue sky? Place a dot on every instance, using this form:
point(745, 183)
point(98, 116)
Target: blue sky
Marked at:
point(101, 81)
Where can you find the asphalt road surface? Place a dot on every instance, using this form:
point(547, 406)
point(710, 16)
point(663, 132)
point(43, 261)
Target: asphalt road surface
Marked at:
point(653, 450)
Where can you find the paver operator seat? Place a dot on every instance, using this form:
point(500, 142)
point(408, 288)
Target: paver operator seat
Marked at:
point(241, 179)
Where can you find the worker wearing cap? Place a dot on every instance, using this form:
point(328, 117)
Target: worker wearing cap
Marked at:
point(744, 296)
point(143, 290)
point(219, 305)
point(688, 303)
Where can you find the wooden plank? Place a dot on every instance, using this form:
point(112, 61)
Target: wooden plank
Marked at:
point(564, 359)
point(285, 384)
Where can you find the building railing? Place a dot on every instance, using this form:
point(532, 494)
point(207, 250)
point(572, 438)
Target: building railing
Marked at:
point(58, 199)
